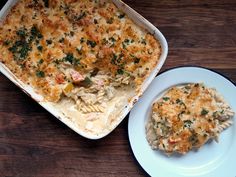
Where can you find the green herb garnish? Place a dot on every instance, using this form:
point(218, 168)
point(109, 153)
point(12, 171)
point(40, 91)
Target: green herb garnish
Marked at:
point(94, 72)
point(91, 43)
point(121, 15)
point(120, 71)
point(95, 21)
point(113, 60)
point(58, 61)
point(6, 42)
point(165, 98)
point(124, 45)
point(72, 33)
point(86, 82)
point(35, 33)
point(193, 138)
point(204, 112)
point(112, 39)
point(40, 61)
point(71, 59)
point(21, 32)
point(143, 41)
point(49, 41)
point(82, 15)
point(136, 60)
point(127, 41)
point(214, 114)
point(104, 41)
point(178, 101)
point(110, 20)
point(79, 50)
point(62, 40)
point(40, 74)
point(20, 50)
point(82, 40)
point(40, 48)
point(187, 123)
point(116, 59)
point(187, 87)
point(46, 3)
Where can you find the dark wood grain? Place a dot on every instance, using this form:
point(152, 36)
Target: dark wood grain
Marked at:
point(34, 143)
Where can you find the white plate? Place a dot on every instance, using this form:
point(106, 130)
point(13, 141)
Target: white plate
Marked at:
point(213, 159)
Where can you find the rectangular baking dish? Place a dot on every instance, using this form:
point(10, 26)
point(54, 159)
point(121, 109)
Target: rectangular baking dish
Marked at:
point(139, 20)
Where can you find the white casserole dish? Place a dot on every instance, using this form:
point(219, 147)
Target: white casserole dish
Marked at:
point(139, 20)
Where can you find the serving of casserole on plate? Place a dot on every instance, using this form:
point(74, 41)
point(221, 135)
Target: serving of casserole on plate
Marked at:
point(86, 62)
point(186, 117)
point(178, 115)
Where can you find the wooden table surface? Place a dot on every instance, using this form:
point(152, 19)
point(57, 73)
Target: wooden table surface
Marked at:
point(34, 143)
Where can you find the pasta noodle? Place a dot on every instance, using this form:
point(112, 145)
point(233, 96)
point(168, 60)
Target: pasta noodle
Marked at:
point(91, 108)
point(101, 95)
point(224, 125)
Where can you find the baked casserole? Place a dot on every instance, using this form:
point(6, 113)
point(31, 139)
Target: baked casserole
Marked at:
point(86, 58)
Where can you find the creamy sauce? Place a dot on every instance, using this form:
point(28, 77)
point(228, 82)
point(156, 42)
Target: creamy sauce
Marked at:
point(96, 122)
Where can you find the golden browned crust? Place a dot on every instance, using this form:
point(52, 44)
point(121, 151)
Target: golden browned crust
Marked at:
point(40, 41)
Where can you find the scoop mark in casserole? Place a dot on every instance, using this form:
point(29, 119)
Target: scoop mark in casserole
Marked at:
point(186, 117)
point(87, 57)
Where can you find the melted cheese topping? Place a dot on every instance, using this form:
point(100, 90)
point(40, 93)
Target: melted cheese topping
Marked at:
point(77, 50)
point(187, 117)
